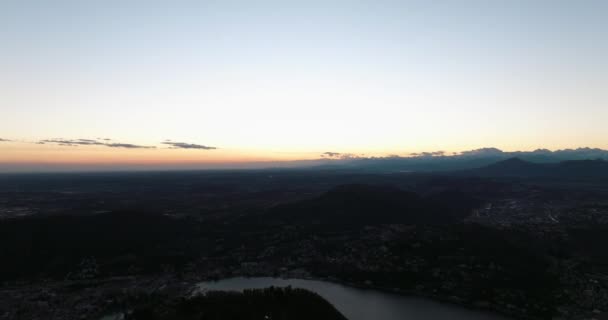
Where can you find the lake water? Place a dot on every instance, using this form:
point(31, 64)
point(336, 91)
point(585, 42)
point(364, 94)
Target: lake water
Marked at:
point(361, 304)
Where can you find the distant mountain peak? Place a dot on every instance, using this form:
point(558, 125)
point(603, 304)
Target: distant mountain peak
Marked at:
point(542, 150)
point(514, 162)
point(511, 166)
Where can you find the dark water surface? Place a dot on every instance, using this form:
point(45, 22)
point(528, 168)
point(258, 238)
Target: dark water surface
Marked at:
point(361, 304)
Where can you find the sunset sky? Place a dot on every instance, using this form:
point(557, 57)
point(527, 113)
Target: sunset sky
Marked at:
point(217, 83)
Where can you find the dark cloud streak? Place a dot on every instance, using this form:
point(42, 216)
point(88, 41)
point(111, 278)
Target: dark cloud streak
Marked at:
point(184, 145)
point(90, 142)
point(127, 146)
point(70, 142)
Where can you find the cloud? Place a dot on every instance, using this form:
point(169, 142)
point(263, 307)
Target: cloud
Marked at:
point(127, 146)
point(184, 145)
point(71, 142)
point(428, 154)
point(91, 142)
point(340, 156)
point(330, 154)
point(482, 152)
point(5, 140)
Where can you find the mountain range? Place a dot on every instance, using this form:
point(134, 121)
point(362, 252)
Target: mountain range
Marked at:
point(440, 161)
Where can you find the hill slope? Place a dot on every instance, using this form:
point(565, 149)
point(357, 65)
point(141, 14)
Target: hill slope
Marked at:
point(574, 169)
point(368, 205)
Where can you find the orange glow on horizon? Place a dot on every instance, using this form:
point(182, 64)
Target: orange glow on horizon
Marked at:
point(32, 154)
point(28, 153)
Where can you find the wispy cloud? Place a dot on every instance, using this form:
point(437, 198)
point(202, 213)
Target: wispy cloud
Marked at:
point(107, 142)
point(330, 154)
point(482, 151)
point(184, 145)
point(128, 146)
point(338, 155)
point(91, 142)
point(429, 154)
point(70, 142)
point(5, 140)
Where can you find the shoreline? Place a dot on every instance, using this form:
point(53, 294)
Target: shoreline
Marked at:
point(448, 300)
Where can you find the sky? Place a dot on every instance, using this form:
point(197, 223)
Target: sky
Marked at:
point(252, 81)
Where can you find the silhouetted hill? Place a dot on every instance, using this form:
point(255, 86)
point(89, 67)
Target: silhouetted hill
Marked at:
point(369, 204)
point(515, 167)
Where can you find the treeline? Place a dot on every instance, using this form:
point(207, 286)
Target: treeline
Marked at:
point(270, 303)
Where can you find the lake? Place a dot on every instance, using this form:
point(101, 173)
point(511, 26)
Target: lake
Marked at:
point(360, 304)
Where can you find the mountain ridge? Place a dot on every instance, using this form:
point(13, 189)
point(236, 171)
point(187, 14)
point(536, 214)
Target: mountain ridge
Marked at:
point(472, 159)
point(564, 169)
